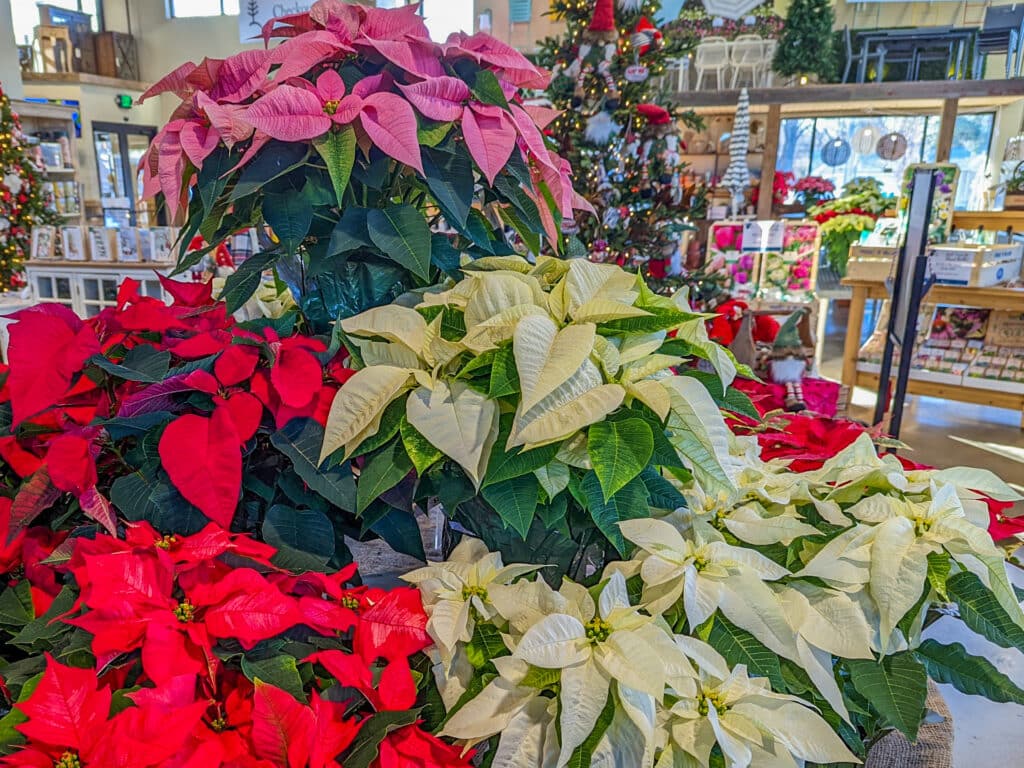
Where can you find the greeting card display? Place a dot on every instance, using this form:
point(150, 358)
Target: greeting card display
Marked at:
point(101, 244)
point(726, 256)
point(44, 243)
point(788, 274)
point(74, 243)
point(163, 245)
point(145, 238)
point(127, 244)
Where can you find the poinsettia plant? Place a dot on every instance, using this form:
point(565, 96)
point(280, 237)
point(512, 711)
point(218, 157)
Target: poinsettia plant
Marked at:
point(198, 651)
point(780, 624)
point(375, 155)
point(179, 415)
point(537, 404)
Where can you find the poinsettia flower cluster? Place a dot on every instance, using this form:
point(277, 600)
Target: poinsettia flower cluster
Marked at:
point(181, 629)
point(76, 390)
point(345, 65)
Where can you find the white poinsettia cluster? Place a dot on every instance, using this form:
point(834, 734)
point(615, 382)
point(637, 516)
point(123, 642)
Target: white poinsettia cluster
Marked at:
point(837, 564)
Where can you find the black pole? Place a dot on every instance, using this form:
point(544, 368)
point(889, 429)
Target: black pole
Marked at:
point(907, 292)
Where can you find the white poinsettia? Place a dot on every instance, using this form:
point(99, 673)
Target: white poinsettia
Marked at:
point(708, 575)
point(457, 592)
point(595, 646)
point(752, 726)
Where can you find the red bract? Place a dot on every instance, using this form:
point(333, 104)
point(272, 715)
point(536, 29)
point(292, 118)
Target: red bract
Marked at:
point(395, 627)
point(293, 735)
point(412, 747)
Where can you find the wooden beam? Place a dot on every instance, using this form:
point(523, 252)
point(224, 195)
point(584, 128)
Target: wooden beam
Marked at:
point(934, 91)
point(771, 150)
point(946, 125)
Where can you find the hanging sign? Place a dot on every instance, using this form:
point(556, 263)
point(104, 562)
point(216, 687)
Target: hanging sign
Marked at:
point(762, 236)
point(253, 14)
point(636, 73)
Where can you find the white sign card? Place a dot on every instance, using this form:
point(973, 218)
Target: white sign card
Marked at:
point(253, 14)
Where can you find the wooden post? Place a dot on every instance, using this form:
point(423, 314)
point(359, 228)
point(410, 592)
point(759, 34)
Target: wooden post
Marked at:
point(852, 345)
point(771, 150)
point(946, 125)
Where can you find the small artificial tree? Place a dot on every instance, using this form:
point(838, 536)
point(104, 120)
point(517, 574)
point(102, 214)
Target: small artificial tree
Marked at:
point(618, 130)
point(807, 46)
point(22, 202)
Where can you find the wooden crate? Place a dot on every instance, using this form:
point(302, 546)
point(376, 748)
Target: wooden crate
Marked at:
point(117, 56)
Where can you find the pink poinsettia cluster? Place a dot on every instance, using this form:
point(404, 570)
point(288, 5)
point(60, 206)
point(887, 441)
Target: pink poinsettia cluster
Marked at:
point(375, 70)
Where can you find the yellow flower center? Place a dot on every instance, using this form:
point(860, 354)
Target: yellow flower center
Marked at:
point(68, 760)
point(331, 106)
point(700, 563)
point(185, 611)
point(708, 700)
point(219, 724)
point(922, 525)
point(350, 602)
point(471, 591)
point(597, 629)
point(166, 542)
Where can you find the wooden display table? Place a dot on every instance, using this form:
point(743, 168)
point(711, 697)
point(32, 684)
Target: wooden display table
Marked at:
point(984, 298)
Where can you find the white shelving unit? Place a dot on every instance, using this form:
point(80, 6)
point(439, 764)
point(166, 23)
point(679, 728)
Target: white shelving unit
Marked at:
point(89, 287)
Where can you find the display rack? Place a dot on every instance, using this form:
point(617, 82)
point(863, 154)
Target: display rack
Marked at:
point(38, 117)
point(997, 298)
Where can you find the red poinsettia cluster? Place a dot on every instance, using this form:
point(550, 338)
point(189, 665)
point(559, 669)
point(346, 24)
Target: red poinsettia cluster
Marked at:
point(205, 655)
point(76, 390)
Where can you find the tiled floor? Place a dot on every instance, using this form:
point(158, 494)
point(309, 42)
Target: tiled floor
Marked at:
point(986, 734)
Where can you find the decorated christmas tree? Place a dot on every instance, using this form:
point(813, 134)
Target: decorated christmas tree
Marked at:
point(619, 131)
point(806, 46)
point(22, 203)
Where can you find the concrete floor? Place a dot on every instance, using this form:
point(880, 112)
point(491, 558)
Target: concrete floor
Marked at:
point(986, 734)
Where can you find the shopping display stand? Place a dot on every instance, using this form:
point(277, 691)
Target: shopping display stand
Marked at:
point(997, 298)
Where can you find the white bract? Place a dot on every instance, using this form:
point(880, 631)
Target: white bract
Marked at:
point(751, 725)
point(459, 591)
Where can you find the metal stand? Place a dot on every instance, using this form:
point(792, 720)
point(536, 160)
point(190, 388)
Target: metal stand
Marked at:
point(908, 289)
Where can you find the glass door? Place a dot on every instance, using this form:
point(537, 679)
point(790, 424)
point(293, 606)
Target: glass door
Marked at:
point(119, 148)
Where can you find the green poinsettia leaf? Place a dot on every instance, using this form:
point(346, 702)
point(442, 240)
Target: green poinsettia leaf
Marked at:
point(619, 451)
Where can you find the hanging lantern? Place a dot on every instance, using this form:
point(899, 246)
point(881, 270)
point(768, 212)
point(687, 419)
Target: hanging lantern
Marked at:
point(835, 152)
point(866, 139)
point(892, 146)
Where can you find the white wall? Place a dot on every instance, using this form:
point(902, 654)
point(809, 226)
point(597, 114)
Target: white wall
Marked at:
point(10, 72)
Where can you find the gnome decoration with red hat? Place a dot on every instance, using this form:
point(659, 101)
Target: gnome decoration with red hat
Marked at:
point(659, 153)
point(645, 38)
point(594, 57)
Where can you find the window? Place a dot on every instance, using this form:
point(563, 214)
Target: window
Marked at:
point(186, 9)
point(802, 139)
point(25, 15)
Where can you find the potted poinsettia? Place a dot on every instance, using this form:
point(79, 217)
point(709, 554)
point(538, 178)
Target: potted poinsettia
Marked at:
point(375, 156)
point(537, 404)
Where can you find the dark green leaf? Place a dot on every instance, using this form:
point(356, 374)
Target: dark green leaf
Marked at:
point(142, 363)
point(401, 233)
point(505, 465)
point(982, 612)
point(629, 503)
point(279, 671)
point(16, 605)
point(444, 255)
point(515, 500)
point(384, 470)
point(338, 149)
point(350, 233)
point(896, 688)
point(242, 284)
point(40, 634)
point(422, 452)
point(274, 160)
point(504, 374)
point(131, 495)
point(304, 537)
point(9, 735)
point(390, 421)
point(213, 177)
point(134, 426)
point(663, 494)
point(300, 440)
point(400, 531)
point(738, 646)
point(619, 451)
point(372, 733)
point(969, 674)
point(431, 133)
point(488, 90)
point(449, 176)
point(290, 216)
